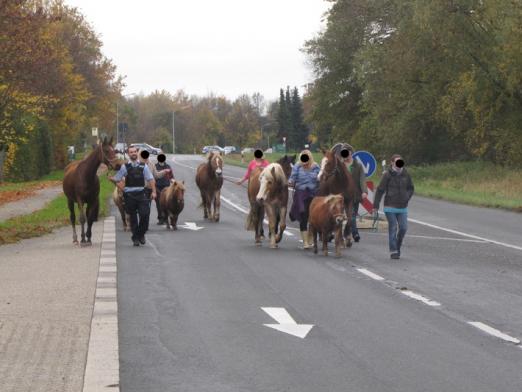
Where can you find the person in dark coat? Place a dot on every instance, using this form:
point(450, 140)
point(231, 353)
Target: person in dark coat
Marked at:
point(397, 188)
point(162, 182)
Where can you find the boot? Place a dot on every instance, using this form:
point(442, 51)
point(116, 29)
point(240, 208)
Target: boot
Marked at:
point(304, 237)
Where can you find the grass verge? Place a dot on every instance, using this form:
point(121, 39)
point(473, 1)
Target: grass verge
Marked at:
point(53, 215)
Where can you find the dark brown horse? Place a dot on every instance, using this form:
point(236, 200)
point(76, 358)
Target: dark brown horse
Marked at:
point(256, 214)
point(326, 218)
point(336, 179)
point(82, 186)
point(172, 201)
point(209, 179)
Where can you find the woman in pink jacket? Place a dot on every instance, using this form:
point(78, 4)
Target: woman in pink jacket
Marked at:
point(258, 161)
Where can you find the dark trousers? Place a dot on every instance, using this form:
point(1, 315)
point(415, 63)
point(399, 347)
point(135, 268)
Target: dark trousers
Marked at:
point(355, 230)
point(303, 217)
point(137, 205)
point(158, 194)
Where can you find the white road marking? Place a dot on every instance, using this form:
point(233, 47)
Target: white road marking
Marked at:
point(419, 297)
point(155, 248)
point(370, 274)
point(192, 226)
point(494, 332)
point(286, 323)
point(475, 237)
point(236, 206)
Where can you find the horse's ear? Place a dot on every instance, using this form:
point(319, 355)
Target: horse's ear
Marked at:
point(104, 141)
point(324, 151)
point(294, 158)
point(273, 171)
point(183, 182)
point(110, 141)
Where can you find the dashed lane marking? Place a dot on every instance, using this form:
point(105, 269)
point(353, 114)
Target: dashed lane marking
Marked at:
point(494, 332)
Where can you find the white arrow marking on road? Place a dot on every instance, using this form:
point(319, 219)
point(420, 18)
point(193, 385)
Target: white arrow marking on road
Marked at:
point(286, 323)
point(192, 226)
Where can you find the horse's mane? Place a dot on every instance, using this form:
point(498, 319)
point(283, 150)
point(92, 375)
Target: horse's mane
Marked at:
point(175, 186)
point(279, 173)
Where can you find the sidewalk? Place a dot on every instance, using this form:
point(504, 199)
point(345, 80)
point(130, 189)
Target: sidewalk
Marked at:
point(30, 204)
point(47, 289)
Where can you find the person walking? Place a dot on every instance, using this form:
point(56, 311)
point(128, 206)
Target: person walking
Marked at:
point(397, 187)
point(162, 182)
point(345, 152)
point(305, 183)
point(137, 174)
point(258, 161)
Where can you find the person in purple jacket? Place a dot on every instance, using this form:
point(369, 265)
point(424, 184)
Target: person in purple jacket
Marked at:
point(305, 183)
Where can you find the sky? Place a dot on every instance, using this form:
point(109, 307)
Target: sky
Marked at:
point(225, 47)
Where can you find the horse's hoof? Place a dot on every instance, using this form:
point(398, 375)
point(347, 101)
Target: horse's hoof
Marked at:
point(273, 246)
point(315, 251)
point(83, 244)
point(326, 253)
point(258, 244)
point(174, 228)
point(349, 244)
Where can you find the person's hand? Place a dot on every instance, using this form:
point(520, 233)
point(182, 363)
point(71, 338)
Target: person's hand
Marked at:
point(239, 182)
point(153, 196)
point(364, 195)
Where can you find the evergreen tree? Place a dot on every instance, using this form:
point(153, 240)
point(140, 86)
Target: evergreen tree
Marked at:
point(283, 117)
point(299, 135)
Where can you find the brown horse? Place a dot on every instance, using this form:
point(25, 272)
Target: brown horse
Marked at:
point(256, 214)
point(81, 185)
point(209, 179)
point(119, 201)
point(326, 217)
point(172, 203)
point(336, 179)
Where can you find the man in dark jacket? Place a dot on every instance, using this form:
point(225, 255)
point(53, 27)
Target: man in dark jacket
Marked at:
point(397, 186)
point(162, 183)
point(345, 152)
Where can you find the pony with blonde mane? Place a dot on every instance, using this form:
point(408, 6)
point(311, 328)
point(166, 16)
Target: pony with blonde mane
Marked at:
point(273, 196)
point(209, 179)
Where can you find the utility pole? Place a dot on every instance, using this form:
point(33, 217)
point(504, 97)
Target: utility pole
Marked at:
point(173, 134)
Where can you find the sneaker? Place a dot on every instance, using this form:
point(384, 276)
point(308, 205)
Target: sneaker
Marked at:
point(357, 237)
point(142, 240)
point(395, 256)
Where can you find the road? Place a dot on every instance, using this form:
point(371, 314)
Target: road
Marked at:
point(446, 317)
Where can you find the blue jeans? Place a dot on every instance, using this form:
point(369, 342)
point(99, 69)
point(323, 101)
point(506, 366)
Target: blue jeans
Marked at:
point(397, 227)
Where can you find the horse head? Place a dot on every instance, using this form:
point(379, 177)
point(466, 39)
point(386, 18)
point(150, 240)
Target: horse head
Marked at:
point(216, 163)
point(271, 178)
point(336, 208)
point(108, 155)
point(178, 190)
point(329, 164)
point(286, 163)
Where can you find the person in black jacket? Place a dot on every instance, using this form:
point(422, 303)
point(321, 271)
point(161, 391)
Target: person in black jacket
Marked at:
point(162, 183)
point(397, 186)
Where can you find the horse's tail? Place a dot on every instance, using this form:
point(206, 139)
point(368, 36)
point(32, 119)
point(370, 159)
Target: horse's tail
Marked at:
point(252, 218)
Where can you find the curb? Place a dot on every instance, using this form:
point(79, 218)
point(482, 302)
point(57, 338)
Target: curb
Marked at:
point(102, 371)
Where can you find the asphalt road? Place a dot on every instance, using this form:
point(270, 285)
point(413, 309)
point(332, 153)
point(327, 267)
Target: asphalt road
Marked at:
point(191, 317)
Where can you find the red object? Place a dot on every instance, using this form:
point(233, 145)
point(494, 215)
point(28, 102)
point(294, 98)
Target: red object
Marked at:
point(366, 203)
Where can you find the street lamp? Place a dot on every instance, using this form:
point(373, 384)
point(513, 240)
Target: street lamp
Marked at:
point(117, 116)
point(262, 127)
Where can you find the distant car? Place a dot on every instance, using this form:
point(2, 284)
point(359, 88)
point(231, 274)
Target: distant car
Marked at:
point(229, 149)
point(269, 150)
point(208, 149)
point(247, 150)
point(148, 147)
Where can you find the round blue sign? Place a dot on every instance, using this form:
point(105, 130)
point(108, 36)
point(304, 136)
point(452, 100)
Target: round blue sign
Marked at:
point(367, 161)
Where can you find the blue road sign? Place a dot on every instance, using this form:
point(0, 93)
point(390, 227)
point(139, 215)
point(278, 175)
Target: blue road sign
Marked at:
point(367, 160)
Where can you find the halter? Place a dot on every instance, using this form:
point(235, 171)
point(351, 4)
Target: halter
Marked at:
point(103, 158)
point(334, 170)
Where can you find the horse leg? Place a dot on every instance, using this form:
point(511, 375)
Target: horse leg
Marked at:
point(82, 222)
point(174, 221)
point(325, 243)
point(261, 215)
point(72, 217)
point(168, 218)
point(281, 221)
point(257, 222)
point(92, 216)
point(314, 236)
point(204, 204)
point(338, 239)
point(217, 205)
point(271, 226)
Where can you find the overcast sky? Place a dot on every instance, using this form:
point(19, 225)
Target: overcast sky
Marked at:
point(228, 47)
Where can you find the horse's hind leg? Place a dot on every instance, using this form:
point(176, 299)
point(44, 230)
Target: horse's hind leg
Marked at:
point(82, 222)
point(281, 222)
point(271, 226)
point(72, 217)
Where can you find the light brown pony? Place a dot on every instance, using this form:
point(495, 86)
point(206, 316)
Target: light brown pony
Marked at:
point(82, 186)
point(273, 195)
point(172, 201)
point(326, 217)
point(119, 201)
point(336, 179)
point(209, 179)
point(256, 214)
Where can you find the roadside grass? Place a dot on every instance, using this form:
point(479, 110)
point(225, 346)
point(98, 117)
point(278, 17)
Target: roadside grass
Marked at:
point(53, 215)
point(475, 183)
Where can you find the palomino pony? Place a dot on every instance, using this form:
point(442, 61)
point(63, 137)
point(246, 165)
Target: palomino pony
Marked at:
point(273, 195)
point(336, 179)
point(256, 214)
point(172, 201)
point(209, 179)
point(82, 186)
